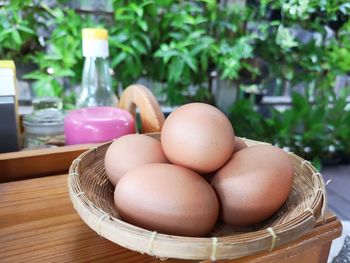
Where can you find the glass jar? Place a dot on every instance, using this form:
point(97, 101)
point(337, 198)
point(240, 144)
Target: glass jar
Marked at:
point(44, 127)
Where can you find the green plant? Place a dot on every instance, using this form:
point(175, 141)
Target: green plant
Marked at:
point(316, 131)
point(244, 116)
point(63, 57)
point(179, 44)
point(184, 50)
point(17, 36)
point(314, 60)
point(130, 39)
point(338, 120)
point(301, 128)
point(176, 44)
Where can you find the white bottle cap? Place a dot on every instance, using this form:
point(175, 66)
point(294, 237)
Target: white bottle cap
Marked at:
point(7, 78)
point(95, 42)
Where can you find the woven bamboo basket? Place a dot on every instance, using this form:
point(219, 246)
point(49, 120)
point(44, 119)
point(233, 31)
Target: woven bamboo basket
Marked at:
point(92, 197)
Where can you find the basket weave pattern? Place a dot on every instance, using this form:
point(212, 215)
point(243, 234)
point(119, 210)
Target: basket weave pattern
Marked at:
point(92, 196)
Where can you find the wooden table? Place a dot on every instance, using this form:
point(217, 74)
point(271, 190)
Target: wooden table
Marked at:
point(38, 222)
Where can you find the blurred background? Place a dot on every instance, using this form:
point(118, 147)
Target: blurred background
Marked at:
point(278, 69)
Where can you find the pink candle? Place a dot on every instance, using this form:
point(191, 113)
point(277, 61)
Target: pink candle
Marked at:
point(97, 124)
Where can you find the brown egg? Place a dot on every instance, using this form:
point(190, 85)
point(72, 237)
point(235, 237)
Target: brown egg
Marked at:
point(168, 199)
point(239, 145)
point(253, 185)
point(129, 152)
point(198, 136)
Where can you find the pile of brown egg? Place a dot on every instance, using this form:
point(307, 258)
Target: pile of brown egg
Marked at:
point(198, 174)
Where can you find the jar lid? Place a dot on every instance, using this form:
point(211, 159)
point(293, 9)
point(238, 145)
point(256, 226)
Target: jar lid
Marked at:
point(95, 42)
point(47, 112)
point(47, 103)
point(44, 117)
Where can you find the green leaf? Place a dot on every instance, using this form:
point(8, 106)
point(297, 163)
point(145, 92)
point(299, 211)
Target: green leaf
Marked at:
point(146, 3)
point(201, 46)
point(26, 29)
point(229, 73)
point(318, 116)
point(138, 46)
point(125, 18)
point(300, 104)
point(56, 88)
point(146, 40)
point(64, 73)
point(143, 25)
point(190, 61)
point(121, 37)
point(166, 55)
point(138, 10)
point(55, 56)
point(44, 87)
point(175, 69)
point(16, 37)
point(6, 31)
point(34, 75)
point(69, 106)
point(204, 61)
point(118, 59)
point(287, 71)
point(317, 163)
point(284, 38)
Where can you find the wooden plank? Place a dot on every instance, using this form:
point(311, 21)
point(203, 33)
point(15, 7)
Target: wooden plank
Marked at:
point(36, 163)
point(38, 224)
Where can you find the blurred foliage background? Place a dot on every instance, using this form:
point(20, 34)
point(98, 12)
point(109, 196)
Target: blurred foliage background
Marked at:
point(298, 48)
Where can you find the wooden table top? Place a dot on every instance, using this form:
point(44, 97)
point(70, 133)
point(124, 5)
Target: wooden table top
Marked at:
point(38, 224)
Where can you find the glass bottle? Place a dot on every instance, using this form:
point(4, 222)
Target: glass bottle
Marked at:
point(96, 89)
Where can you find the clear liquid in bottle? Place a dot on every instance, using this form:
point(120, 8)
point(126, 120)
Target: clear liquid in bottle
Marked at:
point(96, 89)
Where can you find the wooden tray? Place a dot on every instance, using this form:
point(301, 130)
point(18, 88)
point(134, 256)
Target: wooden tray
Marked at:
point(39, 224)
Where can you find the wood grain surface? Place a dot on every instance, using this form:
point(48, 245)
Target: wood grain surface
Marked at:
point(41, 162)
point(38, 224)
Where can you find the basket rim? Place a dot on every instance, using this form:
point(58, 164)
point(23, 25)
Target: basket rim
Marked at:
point(271, 237)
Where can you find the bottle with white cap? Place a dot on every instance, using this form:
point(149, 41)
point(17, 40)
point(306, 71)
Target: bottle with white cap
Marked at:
point(96, 89)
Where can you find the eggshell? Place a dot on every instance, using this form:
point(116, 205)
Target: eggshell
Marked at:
point(253, 185)
point(168, 199)
point(239, 145)
point(198, 136)
point(129, 152)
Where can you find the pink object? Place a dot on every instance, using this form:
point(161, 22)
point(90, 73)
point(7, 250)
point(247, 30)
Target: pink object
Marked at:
point(97, 124)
